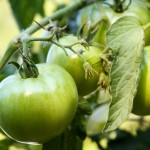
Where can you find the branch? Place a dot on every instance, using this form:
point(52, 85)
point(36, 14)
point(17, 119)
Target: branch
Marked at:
point(16, 43)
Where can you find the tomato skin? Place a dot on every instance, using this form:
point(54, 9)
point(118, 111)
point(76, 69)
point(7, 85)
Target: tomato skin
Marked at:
point(35, 110)
point(141, 105)
point(74, 65)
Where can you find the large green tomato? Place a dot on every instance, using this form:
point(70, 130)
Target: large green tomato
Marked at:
point(141, 105)
point(35, 110)
point(74, 64)
point(93, 12)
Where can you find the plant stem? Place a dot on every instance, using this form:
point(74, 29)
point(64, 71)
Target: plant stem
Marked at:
point(12, 47)
point(15, 44)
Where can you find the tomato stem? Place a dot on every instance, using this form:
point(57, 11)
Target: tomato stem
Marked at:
point(60, 45)
point(89, 70)
point(28, 69)
point(50, 39)
point(46, 39)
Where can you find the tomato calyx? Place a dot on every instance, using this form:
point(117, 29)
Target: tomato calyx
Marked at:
point(27, 69)
point(88, 70)
point(104, 81)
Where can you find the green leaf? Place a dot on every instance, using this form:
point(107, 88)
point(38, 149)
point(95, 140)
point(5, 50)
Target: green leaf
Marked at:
point(126, 40)
point(24, 11)
point(66, 141)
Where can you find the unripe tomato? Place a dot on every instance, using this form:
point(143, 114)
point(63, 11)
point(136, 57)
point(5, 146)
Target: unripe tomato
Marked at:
point(35, 110)
point(74, 64)
point(141, 105)
point(89, 13)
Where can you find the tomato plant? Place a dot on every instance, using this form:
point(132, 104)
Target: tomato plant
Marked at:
point(137, 8)
point(35, 110)
point(75, 65)
point(94, 58)
point(141, 105)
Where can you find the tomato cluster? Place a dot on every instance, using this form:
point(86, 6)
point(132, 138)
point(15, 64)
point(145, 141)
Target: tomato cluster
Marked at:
point(140, 10)
point(37, 109)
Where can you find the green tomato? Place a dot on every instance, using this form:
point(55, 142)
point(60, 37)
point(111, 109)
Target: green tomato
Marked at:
point(141, 105)
point(74, 64)
point(35, 110)
point(89, 13)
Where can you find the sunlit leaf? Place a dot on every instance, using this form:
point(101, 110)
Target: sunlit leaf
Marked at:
point(126, 40)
